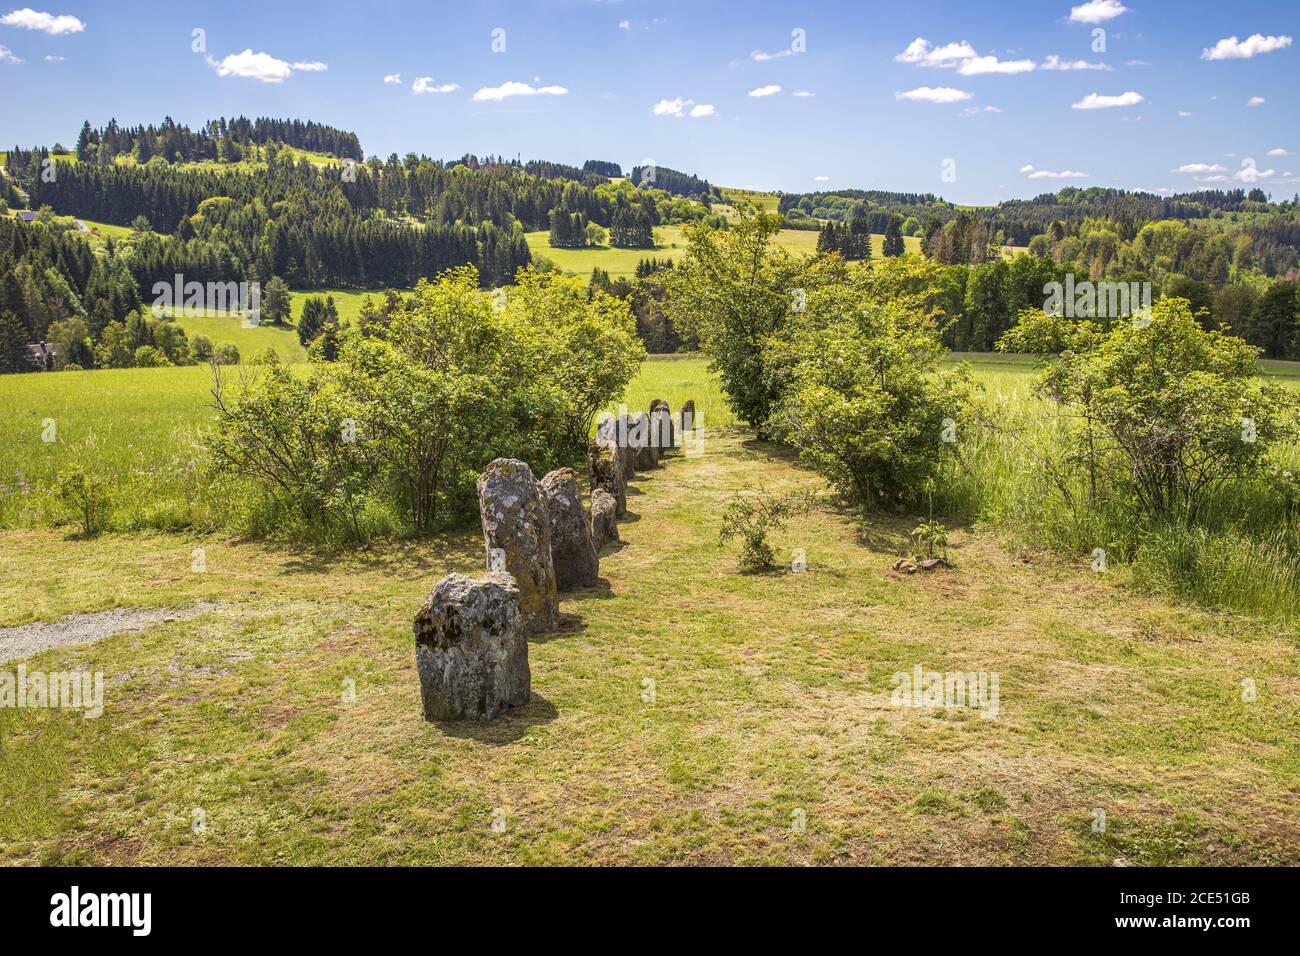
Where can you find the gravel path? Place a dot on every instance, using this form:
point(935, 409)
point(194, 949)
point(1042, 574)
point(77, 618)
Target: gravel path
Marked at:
point(31, 639)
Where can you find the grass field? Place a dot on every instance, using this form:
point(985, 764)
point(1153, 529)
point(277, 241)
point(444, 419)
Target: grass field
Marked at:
point(347, 301)
point(670, 245)
point(251, 341)
point(771, 700)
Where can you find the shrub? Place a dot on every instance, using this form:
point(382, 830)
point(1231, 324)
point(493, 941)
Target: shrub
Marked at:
point(227, 353)
point(86, 496)
point(750, 518)
point(862, 397)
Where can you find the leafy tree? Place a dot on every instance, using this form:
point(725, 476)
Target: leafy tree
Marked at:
point(893, 244)
point(733, 289)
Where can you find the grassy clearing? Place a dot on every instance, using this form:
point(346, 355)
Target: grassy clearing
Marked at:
point(772, 694)
point(251, 341)
point(347, 301)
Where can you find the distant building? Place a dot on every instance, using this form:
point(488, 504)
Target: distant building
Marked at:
point(42, 356)
point(81, 226)
point(26, 215)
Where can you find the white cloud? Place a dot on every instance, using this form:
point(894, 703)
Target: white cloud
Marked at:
point(821, 179)
point(514, 88)
point(1184, 113)
point(980, 65)
point(1211, 179)
point(1054, 62)
point(29, 19)
point(939, 94)
point(973, 110)
point(7, 55)
point(680, 107)
point(424, 84)
point(1255, 101)
point(1250, 174)
point(1033, 173)
point(1097, 11)
point(761, 56)
point(1095, 101)
point(51, 58)
point(769, 90)
point(625, 24)
point(1230, 48)
point(923, 53)
point(1199, 168)
point(395, 78)
point(1279, 152)
point(802, 93)
point(260, 66)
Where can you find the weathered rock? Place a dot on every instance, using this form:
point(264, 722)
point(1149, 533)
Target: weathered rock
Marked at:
point(686, 418)
point(647, 455)
point(517, 525)
point(470, 648)
point(572, 554)
point(604, 518)
point(606, 466)
point(661, 426)
point(626, 450)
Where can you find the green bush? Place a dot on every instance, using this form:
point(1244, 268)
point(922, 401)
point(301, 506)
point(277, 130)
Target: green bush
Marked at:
point(85, 496)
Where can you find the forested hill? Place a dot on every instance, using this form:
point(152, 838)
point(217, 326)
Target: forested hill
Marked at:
point(219, 140)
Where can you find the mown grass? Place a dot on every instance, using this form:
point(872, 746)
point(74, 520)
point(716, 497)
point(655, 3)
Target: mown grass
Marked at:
point(772, 694)
point(251, 340)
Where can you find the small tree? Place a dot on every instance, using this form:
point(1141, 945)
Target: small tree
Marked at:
point(751, 517)
point(277, 303)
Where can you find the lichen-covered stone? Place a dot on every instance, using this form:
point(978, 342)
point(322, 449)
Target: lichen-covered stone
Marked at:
point(517, 524)
point(572, 553)
point(470, 648)
point(604, 518)
point(686, 418)
point(606, 466)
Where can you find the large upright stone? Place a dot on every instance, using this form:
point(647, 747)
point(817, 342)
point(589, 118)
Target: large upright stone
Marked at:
point(604, 518)
point(661, 426)
point(470, 648)
point(619, 431)
point(647, 455)
point(686, 418)
point(606, 465)
point(572, 553)
point(517, 538)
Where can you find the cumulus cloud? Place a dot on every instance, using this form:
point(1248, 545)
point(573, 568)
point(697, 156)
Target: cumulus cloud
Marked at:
point(922, 52)
point(395, 78)
point(1199, 168)
point(1184, 113)
point(514, 88)
point(1255, 101)
point(424, 84)
point(1054, 62)
point(1230, 48)
point(51, 58)
point(1096, 101)
point(680, 107)
point(7, 55)
point(980, 65)
point(1097, 11)
point(29, 19)
point(802, 93)
point(625, 24)
point(1033, 173)
point(1250, 174)
point(769, 90)
point(938, 94)
point(821, 179)
point(261, 66)
point(1279, 152)
point(973, 110)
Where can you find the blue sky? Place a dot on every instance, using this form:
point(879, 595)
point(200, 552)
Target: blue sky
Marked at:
point(631, 80)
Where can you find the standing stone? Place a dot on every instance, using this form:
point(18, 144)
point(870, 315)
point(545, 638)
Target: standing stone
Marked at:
point(516, 522)
point(622, 436)
point(647, 455)
point(604, 518)
point(576, 565)
point(606, 465)
point(686, 420)
point(470, 648)
point(661, 426)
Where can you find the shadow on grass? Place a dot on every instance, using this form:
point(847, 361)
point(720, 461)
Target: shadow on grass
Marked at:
point(447, 551)
point(507, 728)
